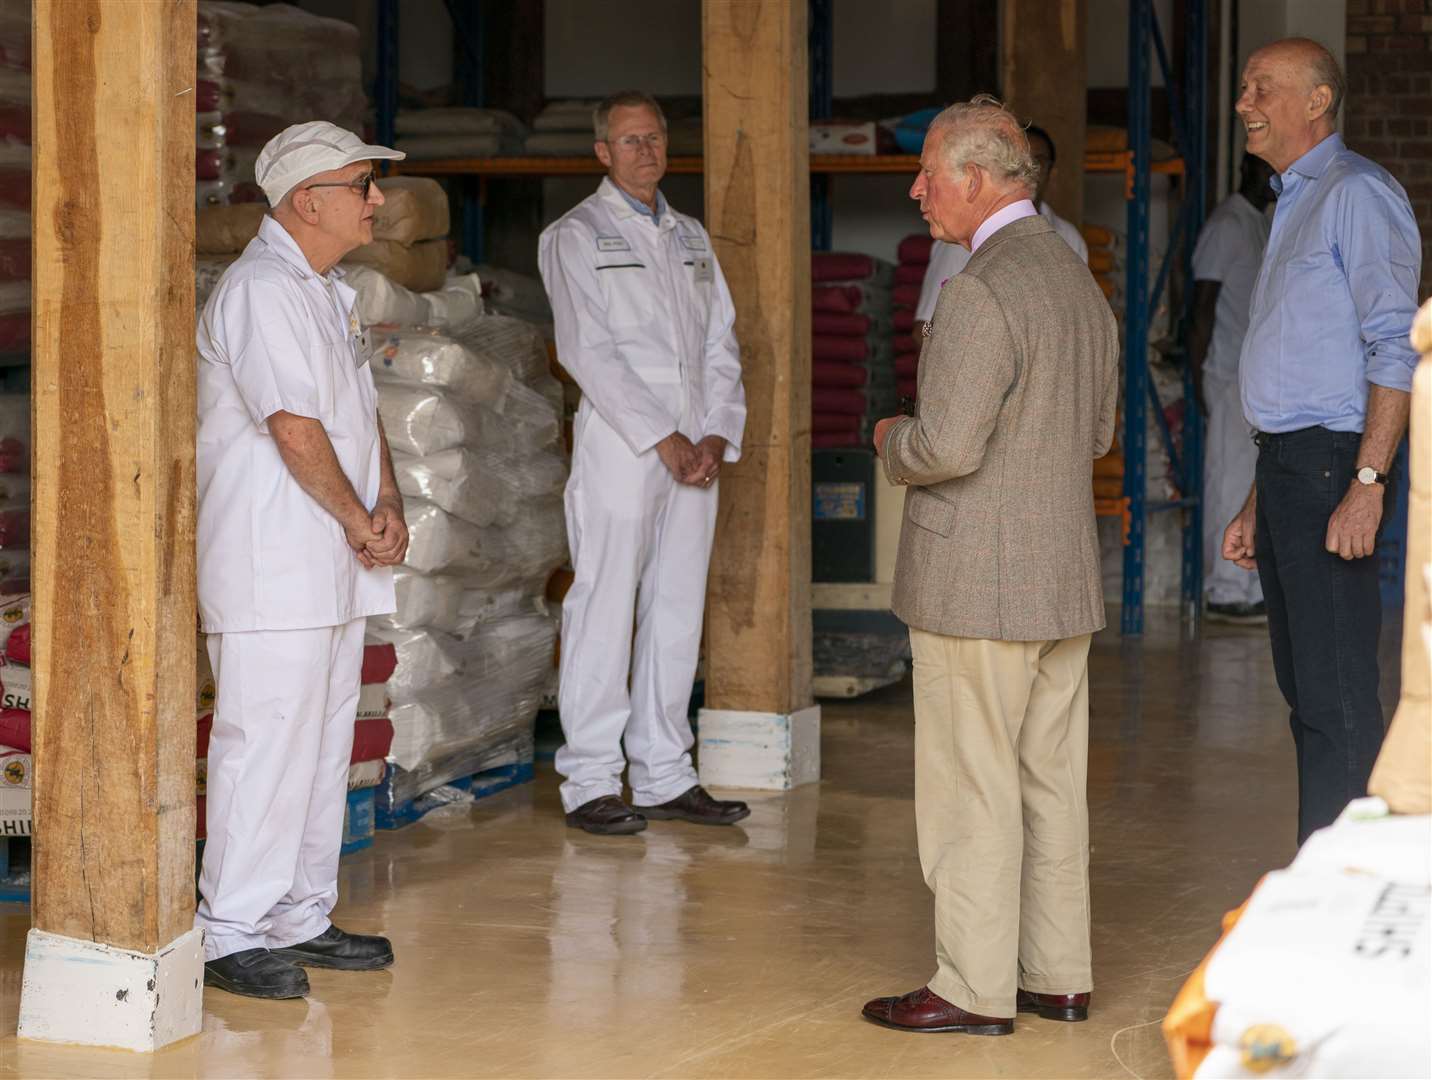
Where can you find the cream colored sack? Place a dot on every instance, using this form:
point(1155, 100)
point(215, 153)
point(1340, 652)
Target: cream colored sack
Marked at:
point(422, 267)
point(414, 208)
point(226, 230)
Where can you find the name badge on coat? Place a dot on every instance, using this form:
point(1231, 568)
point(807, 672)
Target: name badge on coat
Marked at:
point(703, 272)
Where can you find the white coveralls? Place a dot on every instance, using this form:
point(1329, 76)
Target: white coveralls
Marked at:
point(1230, 251)
point(947, 260)
point(281, 594)
point(644, 324)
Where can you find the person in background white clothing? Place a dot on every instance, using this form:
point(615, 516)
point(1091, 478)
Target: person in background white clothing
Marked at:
point(300, 520)
point(644, 323)
point(1225, 266)
point(947, 260)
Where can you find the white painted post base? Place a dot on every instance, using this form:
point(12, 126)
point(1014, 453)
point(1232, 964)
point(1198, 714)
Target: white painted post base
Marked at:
point(767, 751)
point(82, 992)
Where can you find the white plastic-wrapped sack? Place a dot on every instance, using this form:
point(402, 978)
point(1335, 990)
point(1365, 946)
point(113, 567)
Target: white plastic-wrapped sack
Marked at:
point(423, 600)
point(419, 420)
point(418, 355)
point(507, 292)
point(484, 487)
point(383, 301)
point(516, 345)
point(486, 557)
point(535, 423)
point(477, 607)
point(426, 658)
point(491, 700)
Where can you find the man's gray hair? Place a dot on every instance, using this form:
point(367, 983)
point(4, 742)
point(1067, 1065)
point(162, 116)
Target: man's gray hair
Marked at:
point(1323, 70)
point(623, 98)
point(983, 132)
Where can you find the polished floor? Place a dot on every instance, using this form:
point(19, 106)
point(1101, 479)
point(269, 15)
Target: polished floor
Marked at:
point(526, 949)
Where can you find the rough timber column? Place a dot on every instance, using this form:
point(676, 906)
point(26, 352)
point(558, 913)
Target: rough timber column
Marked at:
point(761, 729)
point(1044, 79)
point(113, 958)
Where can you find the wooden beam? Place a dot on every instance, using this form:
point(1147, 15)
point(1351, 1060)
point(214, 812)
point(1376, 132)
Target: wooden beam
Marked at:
point(1044, 80)
point(967, 50)
point(114, 411)
point(758, 214)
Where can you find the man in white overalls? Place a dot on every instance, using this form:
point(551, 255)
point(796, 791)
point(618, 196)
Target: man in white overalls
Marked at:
point(644, 324)
point(299, 521)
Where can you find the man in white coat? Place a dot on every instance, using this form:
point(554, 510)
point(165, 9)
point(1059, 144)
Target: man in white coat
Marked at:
point(644, 324)
point(947, 260)
point(299, 521)
point(1226, 260)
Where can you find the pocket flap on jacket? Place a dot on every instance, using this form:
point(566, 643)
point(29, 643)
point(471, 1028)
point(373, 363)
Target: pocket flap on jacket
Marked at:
point(930, 511)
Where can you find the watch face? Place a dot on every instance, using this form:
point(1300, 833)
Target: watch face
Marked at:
point(1367, 475)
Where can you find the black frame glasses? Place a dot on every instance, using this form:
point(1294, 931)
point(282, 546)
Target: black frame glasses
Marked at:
point(362, 185)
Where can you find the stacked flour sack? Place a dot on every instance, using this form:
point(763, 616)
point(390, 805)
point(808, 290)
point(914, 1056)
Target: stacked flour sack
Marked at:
point(852, 366)
point(457, 132)
point(260, 69)
point(472, 419)
point(914, 255)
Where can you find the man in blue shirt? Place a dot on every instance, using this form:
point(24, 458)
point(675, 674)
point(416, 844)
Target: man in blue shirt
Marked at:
point(1325, 375)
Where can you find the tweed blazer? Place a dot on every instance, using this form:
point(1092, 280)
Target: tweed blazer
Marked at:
point(1018, 386)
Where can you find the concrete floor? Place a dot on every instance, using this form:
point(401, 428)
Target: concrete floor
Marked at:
point(528, 949)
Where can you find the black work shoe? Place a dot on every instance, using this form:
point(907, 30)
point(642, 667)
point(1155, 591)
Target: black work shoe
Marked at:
point(606, 816)
point(698, 807)
point(335, 948)
point(256, 973)
point(1237, 614)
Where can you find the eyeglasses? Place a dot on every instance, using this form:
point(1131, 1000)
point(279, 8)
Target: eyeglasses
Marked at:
point(656, 140)
point(361, 186)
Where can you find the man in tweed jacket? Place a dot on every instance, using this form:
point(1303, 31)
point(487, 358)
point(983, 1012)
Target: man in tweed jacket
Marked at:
point(998, 579)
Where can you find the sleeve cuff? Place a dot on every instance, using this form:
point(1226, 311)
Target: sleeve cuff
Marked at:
point(261, 414)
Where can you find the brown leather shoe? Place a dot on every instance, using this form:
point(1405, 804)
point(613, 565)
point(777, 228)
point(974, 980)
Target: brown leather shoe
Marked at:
point(698, 807)
point(1068, 1007)
point(606, 816)
point(925, 1010)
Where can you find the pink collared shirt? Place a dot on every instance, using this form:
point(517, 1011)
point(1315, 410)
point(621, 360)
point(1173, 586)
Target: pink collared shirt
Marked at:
point(998, 220)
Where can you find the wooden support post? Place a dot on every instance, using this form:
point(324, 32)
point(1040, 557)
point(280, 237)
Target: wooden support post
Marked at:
point(113, 958)
point(761, 728)
point(1044, 80)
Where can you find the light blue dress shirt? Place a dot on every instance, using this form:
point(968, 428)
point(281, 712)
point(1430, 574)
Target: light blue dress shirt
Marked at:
point(641, 207)
point(1335, 297)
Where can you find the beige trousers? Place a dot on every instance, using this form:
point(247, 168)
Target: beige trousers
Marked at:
point(1001, 761)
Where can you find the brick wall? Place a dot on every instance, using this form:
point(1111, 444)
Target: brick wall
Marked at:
point(1388, 112)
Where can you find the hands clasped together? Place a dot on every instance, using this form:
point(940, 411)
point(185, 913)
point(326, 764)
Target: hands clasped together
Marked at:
point(382, 538)
point(691, 463)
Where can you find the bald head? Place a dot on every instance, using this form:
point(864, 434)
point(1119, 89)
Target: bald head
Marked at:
point(1289, 100)
point(1310, 62)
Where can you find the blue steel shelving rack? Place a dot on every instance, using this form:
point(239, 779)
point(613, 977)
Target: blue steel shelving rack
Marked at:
point(469, 28)
point(1189, 107)
point(1190, 130)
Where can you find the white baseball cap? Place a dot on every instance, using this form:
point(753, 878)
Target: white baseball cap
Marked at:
point(304, 150)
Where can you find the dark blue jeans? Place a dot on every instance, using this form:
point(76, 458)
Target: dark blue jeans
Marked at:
point(1324, 617)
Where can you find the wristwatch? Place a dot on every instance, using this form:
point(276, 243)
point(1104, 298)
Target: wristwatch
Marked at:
point(1368, 476)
